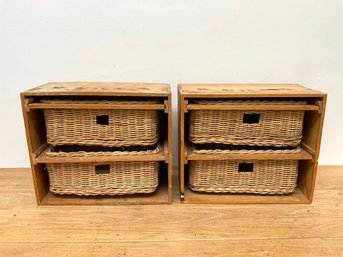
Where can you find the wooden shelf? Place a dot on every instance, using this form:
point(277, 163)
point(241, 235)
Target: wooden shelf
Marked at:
point(191, 156)
point(269, 107)
point(160, 196)
point(206, 198)
point(246, 91)
point(161, 156)
point(100, 89)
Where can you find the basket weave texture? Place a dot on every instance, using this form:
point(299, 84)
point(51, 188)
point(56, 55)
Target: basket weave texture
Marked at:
point(104, 152)
point(274, 128)
point(122, 178)
point(81, 126)
point(267, 177)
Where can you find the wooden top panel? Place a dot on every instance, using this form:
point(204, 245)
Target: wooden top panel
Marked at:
point(100, 88)
point(247, 90)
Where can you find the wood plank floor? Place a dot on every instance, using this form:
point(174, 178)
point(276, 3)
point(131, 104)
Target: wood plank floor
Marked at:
point(171, 230)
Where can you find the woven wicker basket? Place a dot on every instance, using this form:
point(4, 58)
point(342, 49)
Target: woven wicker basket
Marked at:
point(244, 176)
point(261, 128)
point(110, 127)
point(116, 178)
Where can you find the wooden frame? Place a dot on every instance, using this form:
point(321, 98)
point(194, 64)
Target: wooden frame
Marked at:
point(308, 157)
point(37, 146)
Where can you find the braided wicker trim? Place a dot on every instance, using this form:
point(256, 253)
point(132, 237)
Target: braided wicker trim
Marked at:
point(251, 142)
point(125, 102)
point(245, 151)
point(51, 153)
point(249, 102)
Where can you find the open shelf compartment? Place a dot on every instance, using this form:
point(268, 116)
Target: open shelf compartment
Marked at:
point(160, 196)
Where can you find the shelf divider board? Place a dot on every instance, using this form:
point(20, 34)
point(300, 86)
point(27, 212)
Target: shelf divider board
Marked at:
point(302, 155)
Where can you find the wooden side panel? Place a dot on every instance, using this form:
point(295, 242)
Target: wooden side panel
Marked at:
point(312, 131)
point(182, 145)
point(35, 136)
point(170, 150)
point(41, 182)
point(307, 177)
point(35, 129)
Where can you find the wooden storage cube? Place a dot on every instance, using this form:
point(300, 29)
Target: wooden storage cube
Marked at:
point(94, 143)
point(261, 128)
point(244, 176)
point(116, 178)
point(237, 142)
point(105, 127)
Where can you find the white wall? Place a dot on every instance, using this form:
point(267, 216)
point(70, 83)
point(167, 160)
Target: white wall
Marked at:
point(174, 41)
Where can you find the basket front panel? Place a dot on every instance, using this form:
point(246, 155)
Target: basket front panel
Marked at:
point(122, 178)
point(267, 177)
point(124, 128)
point(273, 128)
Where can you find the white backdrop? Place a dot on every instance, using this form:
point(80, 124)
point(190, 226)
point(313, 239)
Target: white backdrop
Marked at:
point(236, 41)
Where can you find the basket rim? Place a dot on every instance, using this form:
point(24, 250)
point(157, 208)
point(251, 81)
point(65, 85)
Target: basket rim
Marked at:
point(51, 153)
point(244, 151)
point(249, 102)
point(105, 101)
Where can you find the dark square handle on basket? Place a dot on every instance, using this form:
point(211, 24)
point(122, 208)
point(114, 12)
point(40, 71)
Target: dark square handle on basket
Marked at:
point(102, 119)
point(251, 118)
point(245, 167)
point(102, 169)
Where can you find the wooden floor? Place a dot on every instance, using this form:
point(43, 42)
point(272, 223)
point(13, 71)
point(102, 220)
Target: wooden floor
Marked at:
point(174, 230)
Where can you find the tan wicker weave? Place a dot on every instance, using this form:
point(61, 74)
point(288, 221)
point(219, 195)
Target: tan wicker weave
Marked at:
point(275, 128)
point(267, 177)
point(123, 178)
point(71, 152)
point(245, 151)
point(80, 127)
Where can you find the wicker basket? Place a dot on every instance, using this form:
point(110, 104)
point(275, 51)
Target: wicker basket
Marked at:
point(116, 178)
point(244, 176)
point(261, 128)
point(110, 127)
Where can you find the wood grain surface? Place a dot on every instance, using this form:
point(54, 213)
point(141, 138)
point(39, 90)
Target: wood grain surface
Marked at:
point(247, 90)
point(100, 88)
point(171, 230)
